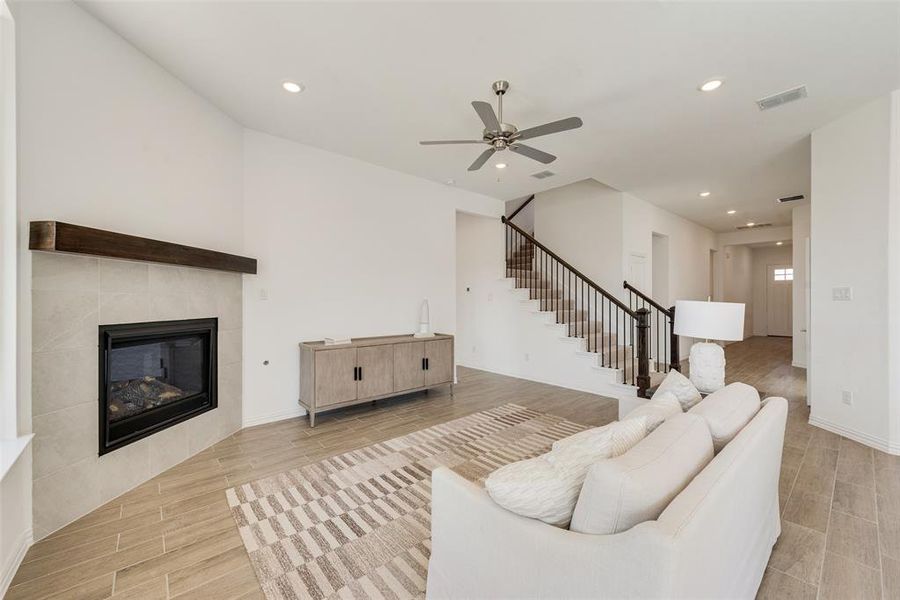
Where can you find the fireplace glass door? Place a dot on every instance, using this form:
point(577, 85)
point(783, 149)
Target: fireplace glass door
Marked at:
point(153, 375)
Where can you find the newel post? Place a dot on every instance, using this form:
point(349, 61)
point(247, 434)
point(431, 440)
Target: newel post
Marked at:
point(643, 351)
point(675, 351)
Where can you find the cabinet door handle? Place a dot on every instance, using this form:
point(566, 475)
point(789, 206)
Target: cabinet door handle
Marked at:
point(427, 365)
point(423, 364)
point(355, 378)
point(360, 373)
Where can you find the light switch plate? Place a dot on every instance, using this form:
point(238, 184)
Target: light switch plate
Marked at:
point(842, 294)
point(847, 398)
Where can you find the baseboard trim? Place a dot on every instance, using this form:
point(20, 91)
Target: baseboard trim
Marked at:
point(9, 569)
point(273, 417)
point(798, 365)
point(857, 436)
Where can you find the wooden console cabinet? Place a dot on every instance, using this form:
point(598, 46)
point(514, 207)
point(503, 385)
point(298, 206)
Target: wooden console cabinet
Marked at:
point(370, 369)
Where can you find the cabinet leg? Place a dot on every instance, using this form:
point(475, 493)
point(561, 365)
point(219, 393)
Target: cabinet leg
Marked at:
point(312, 418)
point(451, 389)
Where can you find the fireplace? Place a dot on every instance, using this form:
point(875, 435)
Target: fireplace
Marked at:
point(153, 376)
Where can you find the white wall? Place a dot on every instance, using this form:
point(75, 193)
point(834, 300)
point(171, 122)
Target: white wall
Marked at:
point(689, 246)
point(582, 223)
point(525, 218)
point(15, 517)
point(737, 281)
point(107, 138)
point(854, 229)
point(344, 248)
point(800, 216)
point(479, 263)
point(15, 453)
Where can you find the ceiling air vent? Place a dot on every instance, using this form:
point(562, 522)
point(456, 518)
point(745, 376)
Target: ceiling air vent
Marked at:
point(755, 226)
point(543, 174)
point(791, 198)
point(775, 100)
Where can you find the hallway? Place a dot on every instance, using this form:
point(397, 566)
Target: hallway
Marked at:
point(840, 511)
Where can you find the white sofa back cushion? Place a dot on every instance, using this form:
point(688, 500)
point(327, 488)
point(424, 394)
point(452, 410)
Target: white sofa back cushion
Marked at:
point(681, 387)
point(546, 487)
point(727, 411)
point(621, 492)
point(656, 410)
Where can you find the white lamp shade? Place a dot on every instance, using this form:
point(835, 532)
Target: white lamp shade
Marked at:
point(709, 320)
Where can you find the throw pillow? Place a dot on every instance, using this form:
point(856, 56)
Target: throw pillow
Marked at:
point(656, 410)
point(681, 387)
point(546, 487)
point(727, 411)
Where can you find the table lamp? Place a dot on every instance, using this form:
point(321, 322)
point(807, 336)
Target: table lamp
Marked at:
point(722, 321)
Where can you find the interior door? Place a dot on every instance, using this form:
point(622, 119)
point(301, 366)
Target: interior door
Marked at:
point(376, 365)
point(779, 290)
point(439, 368)
point(334, 376)
point(409, 366)
point(637, 271)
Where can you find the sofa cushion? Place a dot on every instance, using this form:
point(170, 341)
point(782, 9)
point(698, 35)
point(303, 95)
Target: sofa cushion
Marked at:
point(620, 436)
point(621, 492)
point(727, 411)
point(656, 410)
point(546, 487)
point(681, 387)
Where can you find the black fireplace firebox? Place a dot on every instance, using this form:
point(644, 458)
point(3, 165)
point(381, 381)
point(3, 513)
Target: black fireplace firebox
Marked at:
point(154, 375)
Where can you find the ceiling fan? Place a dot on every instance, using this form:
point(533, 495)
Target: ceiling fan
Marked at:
point(502, 136)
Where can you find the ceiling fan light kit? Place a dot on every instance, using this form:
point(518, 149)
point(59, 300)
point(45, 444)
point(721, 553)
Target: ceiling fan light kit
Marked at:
point(506, 136)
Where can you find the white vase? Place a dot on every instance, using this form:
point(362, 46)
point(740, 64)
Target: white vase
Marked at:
point(707, 367)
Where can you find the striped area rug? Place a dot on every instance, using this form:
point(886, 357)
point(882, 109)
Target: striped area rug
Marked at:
point(358, 525)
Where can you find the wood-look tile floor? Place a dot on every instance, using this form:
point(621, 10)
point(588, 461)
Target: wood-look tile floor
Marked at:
point(173, 537)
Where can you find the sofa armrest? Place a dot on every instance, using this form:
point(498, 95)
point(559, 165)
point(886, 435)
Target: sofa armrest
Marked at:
point(481, 550)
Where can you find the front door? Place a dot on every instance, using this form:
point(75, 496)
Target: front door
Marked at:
point(780, 283)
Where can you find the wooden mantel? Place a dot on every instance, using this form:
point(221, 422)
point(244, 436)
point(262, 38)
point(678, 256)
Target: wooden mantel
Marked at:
point(54, 236)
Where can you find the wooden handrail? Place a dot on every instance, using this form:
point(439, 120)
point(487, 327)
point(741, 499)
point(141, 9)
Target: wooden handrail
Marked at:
point(574, 271)
point(647, 299)
point(524, 204)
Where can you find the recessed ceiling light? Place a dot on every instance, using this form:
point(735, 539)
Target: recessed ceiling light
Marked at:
point(731, 212)
point(705, 194)
point(712, 84)
point(500, 165)
point(292, 87)
point(779, 243)
point(751, 224)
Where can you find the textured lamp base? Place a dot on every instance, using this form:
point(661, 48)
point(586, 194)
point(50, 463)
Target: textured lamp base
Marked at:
point(707, 367)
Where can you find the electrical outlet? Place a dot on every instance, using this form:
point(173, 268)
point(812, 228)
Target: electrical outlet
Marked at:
point(847, 398)
point(263, 294)
point(842, 294)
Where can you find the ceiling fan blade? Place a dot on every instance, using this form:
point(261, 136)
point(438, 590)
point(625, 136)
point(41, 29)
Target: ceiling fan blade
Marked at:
point(488, 117)
point(548, 128)
point(482, 158)
point(533, 153)
point(437, 142)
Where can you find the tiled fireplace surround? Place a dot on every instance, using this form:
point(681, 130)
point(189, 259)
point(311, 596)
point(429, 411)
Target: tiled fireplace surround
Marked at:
point(72, 296)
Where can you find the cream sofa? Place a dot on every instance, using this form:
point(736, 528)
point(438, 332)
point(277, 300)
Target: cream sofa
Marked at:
point(712, 541)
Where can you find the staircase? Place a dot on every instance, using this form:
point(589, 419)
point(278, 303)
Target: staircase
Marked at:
point(624, 341)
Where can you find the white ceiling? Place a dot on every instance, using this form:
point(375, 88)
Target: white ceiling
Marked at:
point(381, 76)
